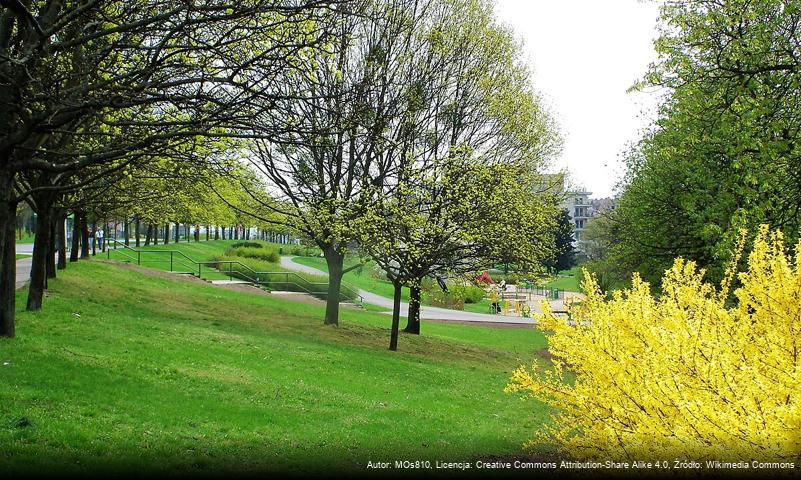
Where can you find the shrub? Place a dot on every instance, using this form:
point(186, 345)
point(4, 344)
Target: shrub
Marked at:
point(303, 251)
point(428, 285)
point(246, 245)
point(685, 375)
point(260, 253)
point(470, 293)
point(452, 300)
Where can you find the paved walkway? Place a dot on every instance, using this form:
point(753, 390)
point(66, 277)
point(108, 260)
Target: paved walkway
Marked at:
point(23, 264)
point(426, 313)
point(23, 272)
point(25, 248)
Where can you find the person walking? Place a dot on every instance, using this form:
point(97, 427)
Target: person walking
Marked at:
point(99, 237)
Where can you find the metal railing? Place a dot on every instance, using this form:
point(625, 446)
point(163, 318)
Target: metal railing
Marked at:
point(244, 272)
point(525, 291)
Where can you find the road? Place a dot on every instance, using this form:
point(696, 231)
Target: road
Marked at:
point(426, 313)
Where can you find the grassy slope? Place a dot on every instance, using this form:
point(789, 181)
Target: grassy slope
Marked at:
point(198, 251)
point(360, 278)
point(137, 372)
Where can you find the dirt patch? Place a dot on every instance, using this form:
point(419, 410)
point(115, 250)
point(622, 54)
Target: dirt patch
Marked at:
point(244, 288)
point(546, 355)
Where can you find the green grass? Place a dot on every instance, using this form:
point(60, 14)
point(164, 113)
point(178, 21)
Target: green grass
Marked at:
point(198, 251)
point(18, 256)
point(150, 374)
point(24, 237)
point(481, 307)
point(360, 277)
point(365, 280)
point(568, 280)
point(158, 257)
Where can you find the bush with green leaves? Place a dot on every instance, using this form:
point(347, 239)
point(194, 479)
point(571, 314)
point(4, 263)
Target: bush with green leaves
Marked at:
point(259, 253)
point(470, 293)
point(452, 300)
point(246, 244)
point(304, 251)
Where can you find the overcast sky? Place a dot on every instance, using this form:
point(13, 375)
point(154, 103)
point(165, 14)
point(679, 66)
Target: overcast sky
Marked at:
point(585, 54)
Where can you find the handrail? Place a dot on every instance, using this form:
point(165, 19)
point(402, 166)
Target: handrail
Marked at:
point(255, 278)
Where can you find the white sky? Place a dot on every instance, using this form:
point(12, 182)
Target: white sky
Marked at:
point(585, 54)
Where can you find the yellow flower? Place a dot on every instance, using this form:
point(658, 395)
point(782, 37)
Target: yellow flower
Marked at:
point(684, 375)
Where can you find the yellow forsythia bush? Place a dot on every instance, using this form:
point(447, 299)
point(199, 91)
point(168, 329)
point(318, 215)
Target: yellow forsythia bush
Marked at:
point(682, 375)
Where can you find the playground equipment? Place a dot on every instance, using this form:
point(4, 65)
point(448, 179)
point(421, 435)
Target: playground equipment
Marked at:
point(516, 300)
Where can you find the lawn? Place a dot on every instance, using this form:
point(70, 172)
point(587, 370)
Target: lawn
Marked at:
point(360, 277)
point(24, 237)
point(21, 256)
point(180, 257)
point(148, 373)
point(568, 280)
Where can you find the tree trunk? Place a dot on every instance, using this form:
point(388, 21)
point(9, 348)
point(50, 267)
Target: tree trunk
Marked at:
point(137, 227)
point(197, 233)
point(84, 237)
point(8, 260)
point(208, 228)
point(148, 234)
point(166, 233)
point(76, 236)
point(155, 234)
point(93, 235)
point(396, 301)
point(177, 231)
point(186, 232)
point(413, 320)
point(126, 231)
point(335, 261)
point(41, 245)
point(62, 241)
point(216, 233)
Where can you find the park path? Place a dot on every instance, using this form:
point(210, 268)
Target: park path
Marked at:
point(23, 264)
point(23, 272)
point(426, 313)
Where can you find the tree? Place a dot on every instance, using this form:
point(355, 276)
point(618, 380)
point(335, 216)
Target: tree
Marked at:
point(564, 253)
point(684, 375)
point(472, 106)
point(606, 260)
point(340, 105)
point(128, 77)
point(456, 216)
point(724, 153)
